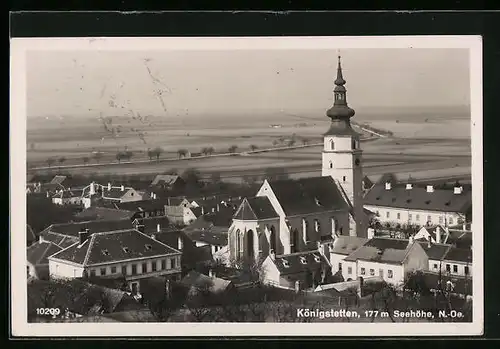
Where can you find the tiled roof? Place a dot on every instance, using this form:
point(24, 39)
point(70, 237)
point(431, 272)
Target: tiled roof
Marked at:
point(368, 182)
point(58, 179)
point(104, 213)
point(255, 208)
point(435, 251)
point(308, 195)
point(200, 281)
point(299, 262)
point(345, 245)
point(141, 205)
point(209, 237)
point(62, 241)
point(115, 246)
point(30, 234)
point(165, 180)
point(460, 238)
point(176, 201)
point(418, 198)
point(222, 218)
point(463, 255)
point(38, 252)
point(114, 193)
point(73, 228)
point(382, 250)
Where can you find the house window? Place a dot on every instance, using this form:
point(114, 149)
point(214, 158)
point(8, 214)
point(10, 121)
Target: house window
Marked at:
point(448, 269)
point(372, 272)
point(124, 270)
point(331, 164)
point(440, 220)
point(363, 271)
point(113, 270)
point(349, 270)
point(399, 215)
point(144, 268)
point(343, 178)
point(340, 266)
point(450, 221)
point(387, 214)
point(435, 266)
point(172, 263)
point(455, 268)
point(153, 266)
point(466, 270)
point(163, 264)
point(103, 271)
point(389, 274)
point(92, 272)
point(429, 219)
point(381, 273)
point(409, 216)
point(332, 145)
point(134, 269)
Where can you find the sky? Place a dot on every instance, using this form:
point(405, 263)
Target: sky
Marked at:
point(87, 83)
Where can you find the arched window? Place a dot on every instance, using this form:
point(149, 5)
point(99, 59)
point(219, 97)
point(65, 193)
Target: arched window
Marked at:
point(305, 229)
point(238, 245)
point(331, 164)
point(272, 239)
point(249, 244)
point(317, 226)
point(354, 144)
point(332, 144)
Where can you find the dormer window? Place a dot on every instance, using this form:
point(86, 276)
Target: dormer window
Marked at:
point(317, 226)
point(317, 258)
point(303, 260)
point(285, 263)
point(105, 252)
point(125, 249)
point(148, 247)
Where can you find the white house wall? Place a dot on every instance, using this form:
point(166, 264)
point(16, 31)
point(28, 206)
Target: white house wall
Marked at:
point(60, 269)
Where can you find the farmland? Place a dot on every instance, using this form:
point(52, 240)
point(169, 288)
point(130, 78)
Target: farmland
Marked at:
point(422, 145)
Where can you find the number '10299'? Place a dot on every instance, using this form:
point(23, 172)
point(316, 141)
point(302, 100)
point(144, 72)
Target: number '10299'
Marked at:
point(48, 311)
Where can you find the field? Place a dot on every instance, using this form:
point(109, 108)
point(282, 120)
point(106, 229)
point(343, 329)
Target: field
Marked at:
point(425, 145)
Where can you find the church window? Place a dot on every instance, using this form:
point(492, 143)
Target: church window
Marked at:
point(343, 178)
point(305, 229)
point(272, 239)
point(331, 164)
point(294, 246)
point(332, 144)
point(334, 224)
point(353, 144)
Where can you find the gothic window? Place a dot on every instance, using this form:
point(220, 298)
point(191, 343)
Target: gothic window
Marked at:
point(238, 247)
point(249, 246)
point(332, 144)
point(272, 239)
point(305, 229)
point(294, 241)
point(331, 164)
point(343, 178)
point(353, 144)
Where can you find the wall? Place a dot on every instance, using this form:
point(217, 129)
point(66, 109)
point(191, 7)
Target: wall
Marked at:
point(416, 259)
point(398, 271)
point(459, 265)
point(188, 215)
point(335, 259)
point(345, 270)
point(423, 216)
point(269, 272)
point(60, 269)
point(175, 214)
point(131, 195)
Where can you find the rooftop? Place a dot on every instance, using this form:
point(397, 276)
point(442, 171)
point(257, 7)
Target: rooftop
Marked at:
point(38, 252)
point(255, 208)
point(345, 245)
point(104, 213)
point(113, 247)
point(381, 250)
point(308, 195)
point(299, 262)
point(73, 228)
point(456, 254)
point(114, 193)
point(202, 282)
point(165, 180)
point(141, 205)
point(209, 237)
point(435, 251)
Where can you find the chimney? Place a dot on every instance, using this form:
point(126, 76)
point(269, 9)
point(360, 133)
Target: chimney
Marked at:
point(430, 189)
point(211, 273)
point(429, 242)
point(218, 208)
point(180, 243)
point(152, 195)
point(464, 226)
point(109, 186)
point(410, 240)
point(84, 235)
point(202, 210)
point(122, 187)
point(48, 195)
point(158, 228)
point(387, 185)
point(457, 190)
point(409, 186)
point(438, 234)
point(153, 236)
point(92, 189)
point(297, 286)
point(213, 209)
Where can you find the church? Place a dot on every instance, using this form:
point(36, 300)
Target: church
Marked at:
point(290, 217)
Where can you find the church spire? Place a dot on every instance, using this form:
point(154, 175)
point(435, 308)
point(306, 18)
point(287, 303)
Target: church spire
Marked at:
point(340, 113)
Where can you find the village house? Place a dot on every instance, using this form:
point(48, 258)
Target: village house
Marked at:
point(128, 253)
point(66, 234)
point(342, 247)
point(457, 262)
point(180, 211)
point(95, 213)
point(120, 194)
point(304, 270)
point(66, 197)
point(389, 259)
point(437, 234)
point(143, 208)
point(435, 253)
point(197, 283)
point(400, 203)
point(168, 182)
point(37, 262)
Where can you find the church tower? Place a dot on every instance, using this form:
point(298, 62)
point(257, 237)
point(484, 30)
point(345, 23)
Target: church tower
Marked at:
point(342, 155)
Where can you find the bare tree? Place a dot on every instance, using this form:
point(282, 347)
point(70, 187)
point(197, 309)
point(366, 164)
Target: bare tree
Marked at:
point(253, 147)
point(305, 141)
point(182, 153)
point(210, 150)
point(86, 160)
point(291, 142)
point(232, 149)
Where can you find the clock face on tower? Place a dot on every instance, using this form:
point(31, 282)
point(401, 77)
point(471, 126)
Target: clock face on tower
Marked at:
point(357, 162)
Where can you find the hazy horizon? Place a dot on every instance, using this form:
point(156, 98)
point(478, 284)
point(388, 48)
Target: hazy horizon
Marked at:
point(204, 83)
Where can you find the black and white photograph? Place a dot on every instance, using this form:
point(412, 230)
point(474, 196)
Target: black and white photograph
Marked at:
point(251, 186)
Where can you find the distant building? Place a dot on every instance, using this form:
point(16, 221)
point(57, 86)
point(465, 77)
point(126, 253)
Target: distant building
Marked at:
point(168, 182)
point(389, 259)
point(399, 203)
point(457, 261)
point(198, 283)
point(66, 197)
point(128, 253)
point(143, 208)
point(37, 262)
point(180, 211)
point(342, 247)
point(103, 213)
point(120, 194)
